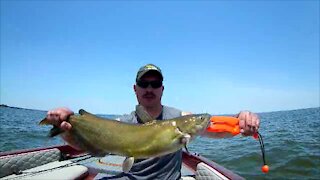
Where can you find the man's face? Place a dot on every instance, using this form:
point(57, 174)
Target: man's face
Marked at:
point(149, 96)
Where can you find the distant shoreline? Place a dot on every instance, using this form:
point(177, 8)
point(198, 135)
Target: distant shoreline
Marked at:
point(13, 107)
point(4, 105)
point(21, 108)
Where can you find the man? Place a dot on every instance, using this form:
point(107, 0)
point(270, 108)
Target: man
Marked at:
point(149, 90)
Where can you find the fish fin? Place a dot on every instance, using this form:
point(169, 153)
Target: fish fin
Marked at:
point(45, 121)
point(185, 138)
point(55, 131)
point(143, 114)
point(127, 164)
point(83, 112)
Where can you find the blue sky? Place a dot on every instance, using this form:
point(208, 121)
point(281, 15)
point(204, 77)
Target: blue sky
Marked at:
point(216, 56)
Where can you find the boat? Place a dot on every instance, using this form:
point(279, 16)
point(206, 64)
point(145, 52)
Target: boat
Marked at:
point(65, 162)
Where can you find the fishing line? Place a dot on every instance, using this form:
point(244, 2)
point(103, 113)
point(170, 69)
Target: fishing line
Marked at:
point(262, 148)
point(265, 167)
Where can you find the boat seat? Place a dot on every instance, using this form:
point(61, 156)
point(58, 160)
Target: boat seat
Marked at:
point(14, 164)
point(62, 170)
point(205, 172)
point(187, 173)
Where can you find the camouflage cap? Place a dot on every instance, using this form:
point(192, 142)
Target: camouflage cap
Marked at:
point(147, 68)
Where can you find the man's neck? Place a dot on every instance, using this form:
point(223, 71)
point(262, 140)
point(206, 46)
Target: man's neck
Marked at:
point(155, 111)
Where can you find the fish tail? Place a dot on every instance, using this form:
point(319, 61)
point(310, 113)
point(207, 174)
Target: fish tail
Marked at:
point(45, 121)
point(55, 131)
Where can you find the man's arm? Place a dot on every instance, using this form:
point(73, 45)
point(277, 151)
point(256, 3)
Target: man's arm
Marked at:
point(248, 123)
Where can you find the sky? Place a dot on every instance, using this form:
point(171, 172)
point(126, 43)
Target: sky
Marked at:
point(217, 57)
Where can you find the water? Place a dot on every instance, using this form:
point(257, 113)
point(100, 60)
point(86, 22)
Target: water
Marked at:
point(292, 143)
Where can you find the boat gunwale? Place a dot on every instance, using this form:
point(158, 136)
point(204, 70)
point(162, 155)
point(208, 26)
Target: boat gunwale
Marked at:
point(65, 149)
point(192, 161)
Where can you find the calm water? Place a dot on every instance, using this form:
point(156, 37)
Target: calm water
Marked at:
point(292, 143)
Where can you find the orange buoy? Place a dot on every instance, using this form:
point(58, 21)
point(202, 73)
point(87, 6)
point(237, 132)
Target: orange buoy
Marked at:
point(265, 168)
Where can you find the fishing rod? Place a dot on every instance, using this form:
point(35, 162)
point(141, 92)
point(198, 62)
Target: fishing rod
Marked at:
point(227, 124)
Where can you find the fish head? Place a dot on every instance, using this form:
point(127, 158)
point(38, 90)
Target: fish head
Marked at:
point(193, 124)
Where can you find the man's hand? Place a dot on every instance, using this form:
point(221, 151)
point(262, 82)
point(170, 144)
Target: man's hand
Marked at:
point(59, 116)
point(249, 123)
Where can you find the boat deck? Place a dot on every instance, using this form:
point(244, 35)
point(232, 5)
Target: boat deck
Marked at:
point(64, 162)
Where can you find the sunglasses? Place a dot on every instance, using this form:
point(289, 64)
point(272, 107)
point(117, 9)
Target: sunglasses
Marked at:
point(153, 84)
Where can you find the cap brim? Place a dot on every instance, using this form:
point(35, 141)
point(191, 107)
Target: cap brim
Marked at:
point(148, 71)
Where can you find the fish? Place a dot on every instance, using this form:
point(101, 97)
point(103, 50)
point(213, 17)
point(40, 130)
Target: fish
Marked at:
point(101, 136)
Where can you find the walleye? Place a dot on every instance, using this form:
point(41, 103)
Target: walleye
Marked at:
point(101, 136)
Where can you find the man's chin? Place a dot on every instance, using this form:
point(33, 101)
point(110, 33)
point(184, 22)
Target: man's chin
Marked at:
point(150, 99)
point(148, 102)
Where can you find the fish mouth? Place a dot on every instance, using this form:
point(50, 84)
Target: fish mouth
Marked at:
point(204, 123)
